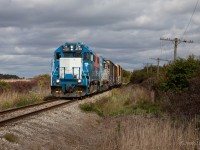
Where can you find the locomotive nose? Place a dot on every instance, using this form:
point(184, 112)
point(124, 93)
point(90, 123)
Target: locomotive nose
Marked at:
point(69, 89)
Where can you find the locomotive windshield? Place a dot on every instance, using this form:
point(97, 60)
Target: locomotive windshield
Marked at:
point(76, 54)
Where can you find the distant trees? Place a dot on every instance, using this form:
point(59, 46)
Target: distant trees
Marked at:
point(8, 76)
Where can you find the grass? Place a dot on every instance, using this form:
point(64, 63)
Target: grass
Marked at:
point(146, 107)
point(15, 99)
point(17, 94)
point(16, 80)
point(126, 101)
point(139, 132)
point(10, 137)
point(90, 107)
point(128, 125)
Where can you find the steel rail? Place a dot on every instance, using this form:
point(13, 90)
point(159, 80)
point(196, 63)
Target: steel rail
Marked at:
point(13, 119)
point(16, 118)
point(26, 107)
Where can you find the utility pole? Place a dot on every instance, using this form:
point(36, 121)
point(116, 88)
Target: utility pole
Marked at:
point(151, 68)
point(158, 62)
point(147, 66)
point(176, 41)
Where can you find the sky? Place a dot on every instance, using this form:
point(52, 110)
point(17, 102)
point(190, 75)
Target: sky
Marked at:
point(125, 31)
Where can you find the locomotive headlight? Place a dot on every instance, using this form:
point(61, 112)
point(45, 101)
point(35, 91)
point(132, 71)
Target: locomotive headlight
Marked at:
point(71, 47)
point(79, 81)
point(57, 81)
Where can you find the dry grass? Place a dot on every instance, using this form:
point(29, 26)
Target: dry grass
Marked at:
point(16, 99)
point(16, 80)
point(145, 130)
point(20, 92)
point(137, 132)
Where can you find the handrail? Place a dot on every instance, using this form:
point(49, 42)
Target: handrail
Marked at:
point(78, 71)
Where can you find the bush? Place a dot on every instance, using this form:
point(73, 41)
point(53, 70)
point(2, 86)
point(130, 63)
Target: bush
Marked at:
point(126, 76)
point(139, 76)
point(43, 81)
point(178, 73)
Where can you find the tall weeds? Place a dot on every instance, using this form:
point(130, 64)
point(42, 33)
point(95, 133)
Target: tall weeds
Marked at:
point(16, 94)
point(140, 123)
point(137, 132)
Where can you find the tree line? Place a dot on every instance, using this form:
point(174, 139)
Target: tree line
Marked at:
point(8, 76)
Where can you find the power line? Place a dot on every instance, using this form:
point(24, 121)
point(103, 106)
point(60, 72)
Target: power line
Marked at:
point(176, 41)
point(190, 19)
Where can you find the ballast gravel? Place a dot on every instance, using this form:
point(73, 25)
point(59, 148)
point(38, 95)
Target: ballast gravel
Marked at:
point(64, 128)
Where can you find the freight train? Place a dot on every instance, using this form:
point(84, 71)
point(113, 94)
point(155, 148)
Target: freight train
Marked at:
point(77, 71)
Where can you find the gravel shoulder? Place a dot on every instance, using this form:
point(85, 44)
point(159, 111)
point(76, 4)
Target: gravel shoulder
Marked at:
point(62, 128)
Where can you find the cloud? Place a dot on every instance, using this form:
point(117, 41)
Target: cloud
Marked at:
point(125, 31)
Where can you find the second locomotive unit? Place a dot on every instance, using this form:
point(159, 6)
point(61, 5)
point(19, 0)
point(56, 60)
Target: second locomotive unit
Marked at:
point(77, 71)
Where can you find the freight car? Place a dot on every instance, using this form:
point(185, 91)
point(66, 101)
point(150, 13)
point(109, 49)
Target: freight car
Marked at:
point(77, 71)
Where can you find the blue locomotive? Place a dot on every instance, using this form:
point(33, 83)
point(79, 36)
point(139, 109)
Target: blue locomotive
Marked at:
point(77, 71)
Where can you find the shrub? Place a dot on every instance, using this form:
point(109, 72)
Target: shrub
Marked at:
point(43, 81)
point(126, 76)
point(138, 76)
point(178, 73)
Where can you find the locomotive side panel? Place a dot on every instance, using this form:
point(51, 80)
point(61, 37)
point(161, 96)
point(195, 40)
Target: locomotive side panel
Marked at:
point(104, 74)
point(119, 75)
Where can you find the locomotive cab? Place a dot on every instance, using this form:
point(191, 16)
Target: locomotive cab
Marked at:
point(67, 76)
point(75, 71)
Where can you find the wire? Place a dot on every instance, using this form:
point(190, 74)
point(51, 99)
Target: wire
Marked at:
point(190, 19)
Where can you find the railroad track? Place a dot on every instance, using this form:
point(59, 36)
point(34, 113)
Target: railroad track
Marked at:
point(12, 115)
point(15, 114)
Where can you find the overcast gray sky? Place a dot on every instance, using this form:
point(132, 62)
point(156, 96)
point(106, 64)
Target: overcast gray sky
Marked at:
point(126, 31)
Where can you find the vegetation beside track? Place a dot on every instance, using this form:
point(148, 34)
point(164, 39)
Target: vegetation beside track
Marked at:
point(176, 90)
point(125, 101)
point(177, 86)
point(133, 120)
point(21, 93)
point(154, 110)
